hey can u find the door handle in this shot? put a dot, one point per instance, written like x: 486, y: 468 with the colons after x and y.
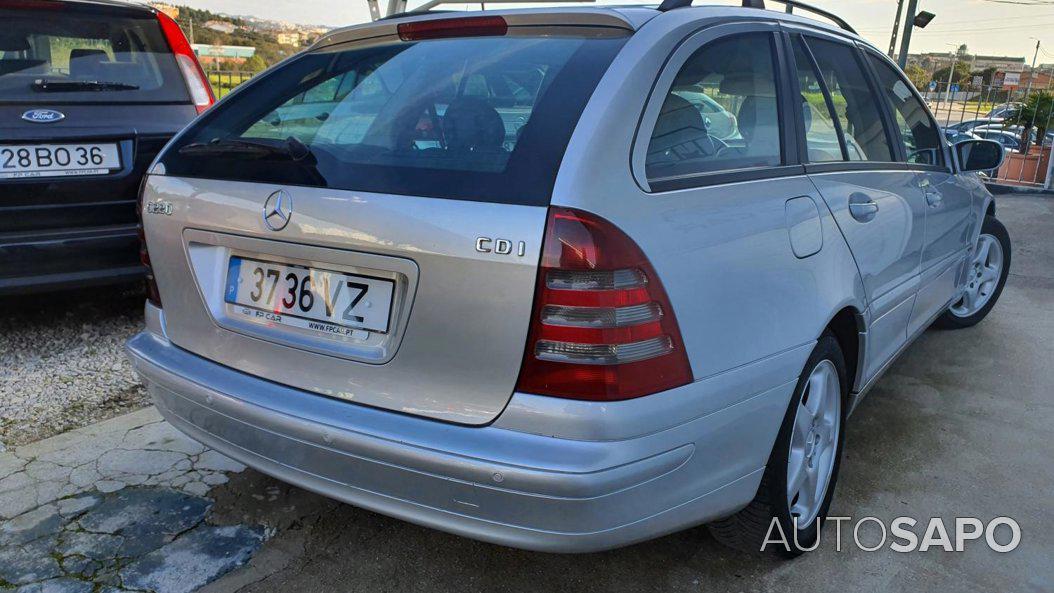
x: 862, y: 207
x: 934, y: 199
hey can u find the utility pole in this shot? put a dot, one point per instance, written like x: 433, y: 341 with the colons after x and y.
x: 951, y: 73
x: 896, y: 27
x: 1032, y: 72
x: 905, y: 40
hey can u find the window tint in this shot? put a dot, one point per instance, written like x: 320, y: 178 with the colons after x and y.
x: 919, y: 133
x: 480, y: 118
x: 720, y: 113
x: 856, y: 107
x: 60, y: 56
x: 821, y: 132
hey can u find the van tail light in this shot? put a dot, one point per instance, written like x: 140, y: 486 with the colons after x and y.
x: 602, y: 327
x: 152, y: 293
x: 197, y: 82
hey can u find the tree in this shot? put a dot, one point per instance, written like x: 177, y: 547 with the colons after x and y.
x: 255, y: 63
x: 918, y: 76
x: 986, y: 75
x: 962, y: 74
x: 1035, y: 113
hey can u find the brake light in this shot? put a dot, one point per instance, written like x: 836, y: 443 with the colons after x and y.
x: 472, y: 26
x: 193, y: 75
x: 602, y: 327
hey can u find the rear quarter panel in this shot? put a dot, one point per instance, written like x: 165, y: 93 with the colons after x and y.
x: 722, y: 252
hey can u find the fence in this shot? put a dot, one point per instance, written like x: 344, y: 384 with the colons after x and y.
x: 994, y: 113
x: 224, y: 81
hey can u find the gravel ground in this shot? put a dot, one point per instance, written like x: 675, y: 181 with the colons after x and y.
x: 62, y: 361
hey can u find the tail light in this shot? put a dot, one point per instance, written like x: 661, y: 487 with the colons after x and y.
x: 152, y: 293
x: 602, y: 327
x: 197, y: 82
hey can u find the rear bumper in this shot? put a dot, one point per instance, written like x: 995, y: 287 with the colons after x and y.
x: 490, y: 483
x: 55, y: 260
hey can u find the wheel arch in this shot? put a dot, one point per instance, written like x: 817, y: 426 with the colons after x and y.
x: 850, y: 329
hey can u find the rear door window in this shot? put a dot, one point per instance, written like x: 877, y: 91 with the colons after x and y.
x: 856, y: 108
x: 721, y: 112
x: 72, y: 53
x: 480, y: 118
x: 918, y: 132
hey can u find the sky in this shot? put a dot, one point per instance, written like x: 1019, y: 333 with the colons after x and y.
x: 991, y: 27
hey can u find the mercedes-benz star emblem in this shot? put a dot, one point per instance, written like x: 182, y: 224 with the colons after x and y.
x: 278, y: 209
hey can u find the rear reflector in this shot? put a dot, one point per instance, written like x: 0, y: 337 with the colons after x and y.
x: 193, y: 75
x: 602, y: 327
x: 473, y: 26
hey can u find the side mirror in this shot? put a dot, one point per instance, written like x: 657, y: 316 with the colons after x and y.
x: 979, y: 155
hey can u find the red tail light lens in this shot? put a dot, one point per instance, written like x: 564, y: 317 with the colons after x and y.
x: 602, y: 327
x: 473, y: 26
x: 197, y: 82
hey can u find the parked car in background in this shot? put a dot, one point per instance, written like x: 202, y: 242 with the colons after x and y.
x: 622, y: 325
x: 966, y: 126
x: 1009, y: 140
x: 1005, y: 110
x: 89, y: 93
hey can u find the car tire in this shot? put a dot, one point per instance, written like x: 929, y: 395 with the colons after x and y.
x: 748, y: 529
x: 960, y: 315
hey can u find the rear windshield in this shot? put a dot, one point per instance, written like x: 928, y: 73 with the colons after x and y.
x: 481, y: 118
x: 78, y: 54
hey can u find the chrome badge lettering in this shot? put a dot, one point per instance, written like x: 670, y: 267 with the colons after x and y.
x: 500, y: 246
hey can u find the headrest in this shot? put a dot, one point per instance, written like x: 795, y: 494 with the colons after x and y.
x: 85, y: 63
x: 470, y: 123
x: 677, y: 114
x: 748, y: 85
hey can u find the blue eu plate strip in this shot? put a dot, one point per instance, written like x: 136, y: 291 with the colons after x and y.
x: 233, y: 271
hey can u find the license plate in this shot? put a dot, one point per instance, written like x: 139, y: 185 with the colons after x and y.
x: 57, y: 160
x: 309, y: 298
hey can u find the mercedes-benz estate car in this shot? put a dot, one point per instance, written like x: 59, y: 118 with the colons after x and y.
x: 503, y: 282
x: 90, y: 91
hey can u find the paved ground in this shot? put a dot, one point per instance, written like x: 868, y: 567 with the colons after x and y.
x: 116, y: 506
x: 959, y: 427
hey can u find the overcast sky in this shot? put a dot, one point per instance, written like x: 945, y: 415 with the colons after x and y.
x: 985, y: 26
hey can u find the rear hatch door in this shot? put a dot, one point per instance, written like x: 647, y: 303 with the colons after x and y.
x: 405, y: 185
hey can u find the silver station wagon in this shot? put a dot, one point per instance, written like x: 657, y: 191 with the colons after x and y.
x: 491, y: 272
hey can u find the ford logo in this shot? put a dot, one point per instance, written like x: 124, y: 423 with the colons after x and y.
x: 43, y: 116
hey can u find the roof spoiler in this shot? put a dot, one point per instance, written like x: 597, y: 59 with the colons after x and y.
x: 790, y: 4
x: 398, y: 7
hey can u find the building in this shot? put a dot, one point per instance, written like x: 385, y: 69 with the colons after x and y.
x: 288, y: 38
x: 933, y: 61
x: 221, y: 26
x: 216, y: 55
x: 168, y: 9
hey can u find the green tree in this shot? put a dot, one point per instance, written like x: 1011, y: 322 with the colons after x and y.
x: 1035, y: 113
x: 918, y: 76
x: 254, y: 64
x: 962, y: 74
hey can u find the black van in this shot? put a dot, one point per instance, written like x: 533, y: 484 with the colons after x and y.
x: 90, y: 90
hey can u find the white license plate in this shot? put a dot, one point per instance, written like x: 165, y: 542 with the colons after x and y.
x: 309, y: 298
x: 57, y: 160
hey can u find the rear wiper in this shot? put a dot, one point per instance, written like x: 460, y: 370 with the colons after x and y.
x: 291, y: 147
x: 66, y: 86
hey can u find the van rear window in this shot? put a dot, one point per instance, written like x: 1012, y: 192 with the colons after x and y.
x: 70, y: 53
x: 478, y: 118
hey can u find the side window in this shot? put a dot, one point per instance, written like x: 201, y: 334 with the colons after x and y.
x: 919, y: 133
x: 856, y: 107
x: 721, y: 111
x: 821, y: 132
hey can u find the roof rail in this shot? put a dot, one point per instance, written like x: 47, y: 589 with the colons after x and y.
x: 790, y: 4
x: 398, y: 7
